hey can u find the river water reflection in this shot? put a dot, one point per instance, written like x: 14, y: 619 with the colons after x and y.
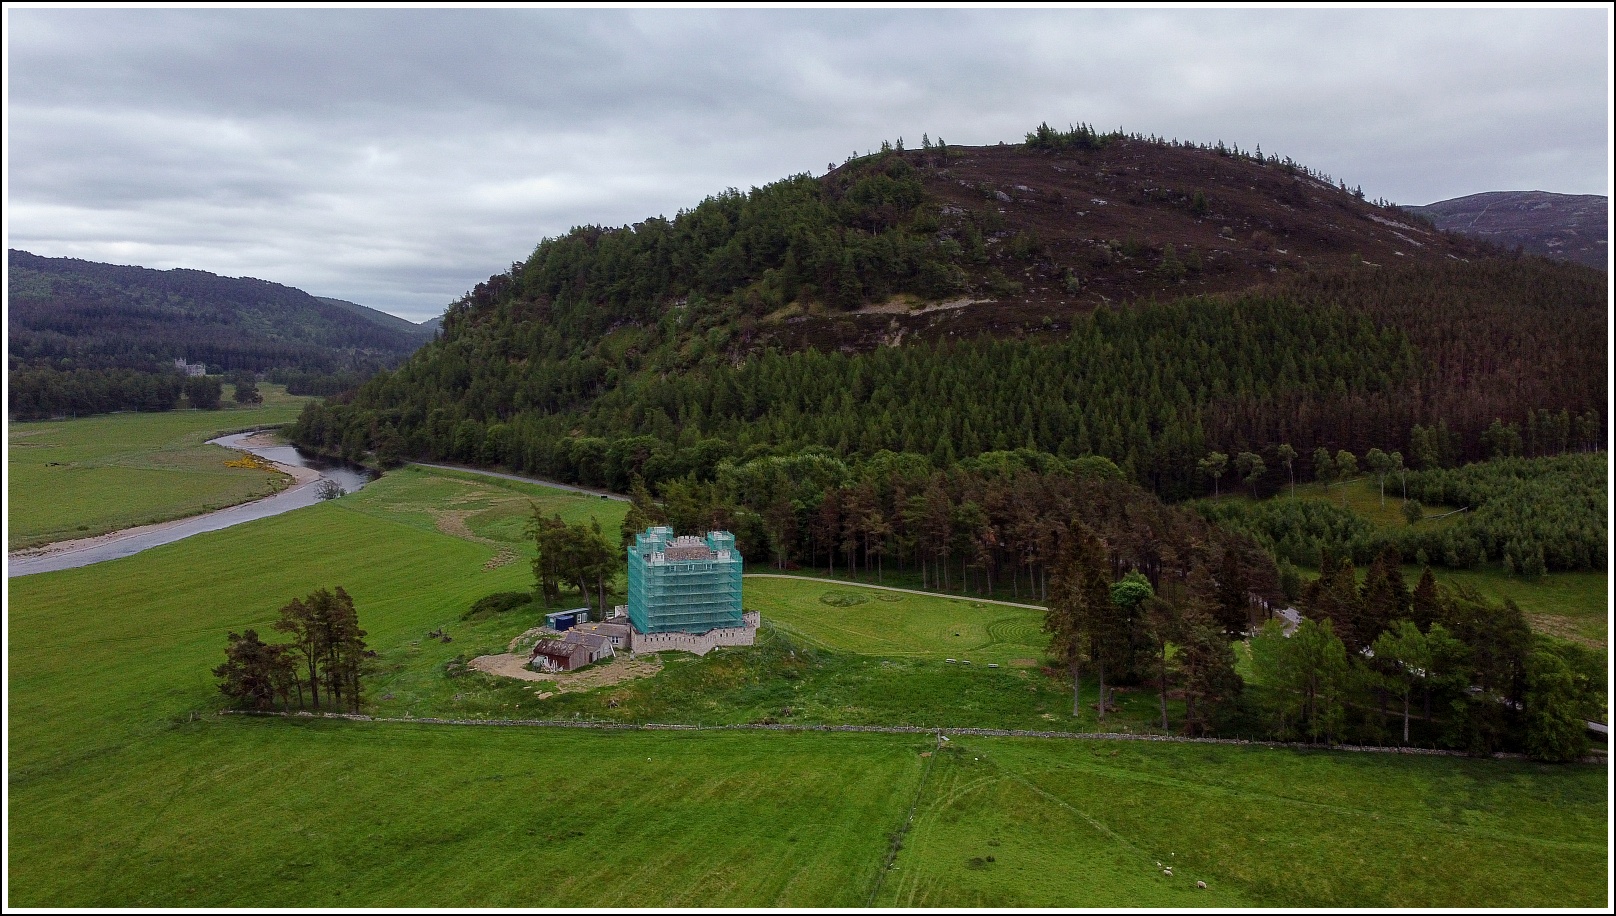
x: 134, y: 540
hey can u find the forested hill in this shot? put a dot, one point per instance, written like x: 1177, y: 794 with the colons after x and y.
x: 66, y: 313
x: 1075, y: 294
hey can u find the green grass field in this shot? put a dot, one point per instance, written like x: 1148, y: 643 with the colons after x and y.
x: 1570, y: 605
x: 1084, y: 825
x: 84, y: 477
x: 124, y: 790
x: 877, y: 622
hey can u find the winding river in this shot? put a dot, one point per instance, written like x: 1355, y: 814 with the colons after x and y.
x: 133, y: 540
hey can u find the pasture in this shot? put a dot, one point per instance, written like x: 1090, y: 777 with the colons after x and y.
x: 888, y: 623
x: 88, y: 476
x: 1012, y: 822
x: 125, y: 790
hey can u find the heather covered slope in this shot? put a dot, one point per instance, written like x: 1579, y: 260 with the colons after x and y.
x: 1568, y: 227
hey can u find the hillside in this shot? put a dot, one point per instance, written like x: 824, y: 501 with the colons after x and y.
x: 425, y: 329
x: 71, y: 314
x: 1077, y: 294
x: 1073, y: 228
x: 1568, y: 227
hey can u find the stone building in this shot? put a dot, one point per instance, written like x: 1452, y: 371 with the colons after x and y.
x: 574, y: 649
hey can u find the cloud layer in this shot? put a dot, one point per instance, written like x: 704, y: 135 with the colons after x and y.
x: 397, y: 157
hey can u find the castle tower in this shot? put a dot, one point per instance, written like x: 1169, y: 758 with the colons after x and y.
x: 683, y: 584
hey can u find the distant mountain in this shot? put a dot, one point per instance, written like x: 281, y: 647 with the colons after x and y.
x: 425, y: 329
x: 1568, y: 227
x: 65, y: 313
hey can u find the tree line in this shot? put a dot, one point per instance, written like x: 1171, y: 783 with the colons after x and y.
x: 319, y: 666
x: 1531, y: 515
x: 1367, y: 664
x: 575, y: 554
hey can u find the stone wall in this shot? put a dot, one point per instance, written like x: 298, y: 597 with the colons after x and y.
x: 699, y: 643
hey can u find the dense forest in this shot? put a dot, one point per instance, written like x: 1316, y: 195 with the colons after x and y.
x: 1328, y: 362
x: 1531, y: 515
x: 871, y: 373
x: 79, y: 333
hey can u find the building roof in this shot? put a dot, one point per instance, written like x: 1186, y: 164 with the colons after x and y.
x: 591, y: 641
x: 558, y: 648
x: 688, y: 547
x: 609, y: 630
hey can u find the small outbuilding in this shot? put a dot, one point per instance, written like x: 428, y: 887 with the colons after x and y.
x: 573, y: 650
x: 561, y: 621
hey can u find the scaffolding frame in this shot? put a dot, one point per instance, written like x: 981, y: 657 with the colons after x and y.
x: 684, y: 584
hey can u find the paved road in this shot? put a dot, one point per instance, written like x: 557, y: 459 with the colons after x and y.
x: 519, y: 479
x: 888, y: 588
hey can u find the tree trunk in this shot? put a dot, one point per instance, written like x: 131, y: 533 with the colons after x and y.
x: 1102, y: 690
x: 1405, y: 716
x: 1164, y: 686
x: 1077, y: 690
x: 314, y: 681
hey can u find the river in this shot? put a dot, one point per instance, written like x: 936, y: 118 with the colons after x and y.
x: 131, y: 541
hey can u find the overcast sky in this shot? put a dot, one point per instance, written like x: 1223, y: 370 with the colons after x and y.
x: 398, y: 157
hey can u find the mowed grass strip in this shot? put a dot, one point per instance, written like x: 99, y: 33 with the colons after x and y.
x: 875, y: 622
x: 1075, y: 824
x: 84, y: 477
x: 254, y: 812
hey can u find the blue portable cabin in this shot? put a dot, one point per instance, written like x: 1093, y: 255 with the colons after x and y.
x: 561, y: 621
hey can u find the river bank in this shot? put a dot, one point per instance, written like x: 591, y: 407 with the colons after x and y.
x: 261, y: 442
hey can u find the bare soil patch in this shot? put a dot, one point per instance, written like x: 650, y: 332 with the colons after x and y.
x: 602, y: 674
x: 453, y: 523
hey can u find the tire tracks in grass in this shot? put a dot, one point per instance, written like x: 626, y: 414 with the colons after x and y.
x: 895, y: 843
x: 1251, y: 795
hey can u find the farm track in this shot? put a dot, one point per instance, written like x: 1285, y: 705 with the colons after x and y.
x: 891, y: 588
x: 554, y: 485
x: 941, y: 733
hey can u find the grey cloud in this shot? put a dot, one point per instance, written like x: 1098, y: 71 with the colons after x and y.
x: 397, y: 157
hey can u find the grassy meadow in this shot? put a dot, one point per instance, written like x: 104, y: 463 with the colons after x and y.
x: 879, y: 622
x: 125, y: 790
x: 88, y: 476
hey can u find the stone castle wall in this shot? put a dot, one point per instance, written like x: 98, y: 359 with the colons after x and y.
x: 699, y: 643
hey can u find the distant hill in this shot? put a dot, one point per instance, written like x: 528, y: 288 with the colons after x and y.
x: 1568, y: 227
x: 67, y: 313
x: 424, y: 329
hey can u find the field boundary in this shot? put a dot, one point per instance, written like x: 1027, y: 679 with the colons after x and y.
x: 941, y: 732
x: 893, y: 588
